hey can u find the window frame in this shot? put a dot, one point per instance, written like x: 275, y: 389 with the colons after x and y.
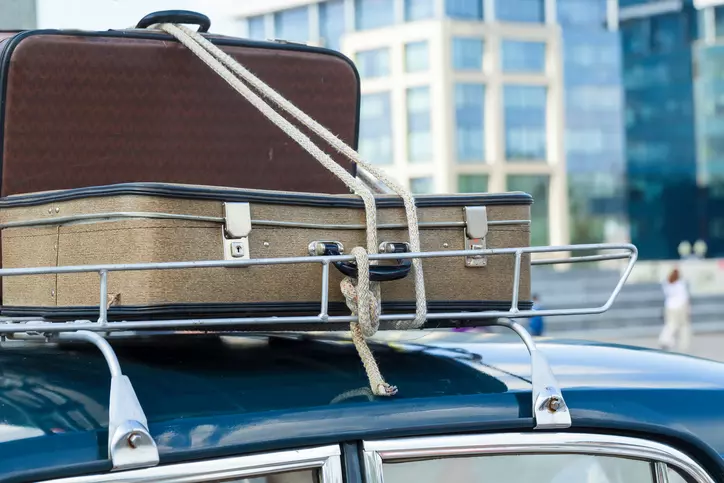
x: 375, y: 453
x: 325, y: 458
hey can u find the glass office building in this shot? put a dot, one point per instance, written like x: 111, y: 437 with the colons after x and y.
x: 594, y: 122
x: 673, y: 62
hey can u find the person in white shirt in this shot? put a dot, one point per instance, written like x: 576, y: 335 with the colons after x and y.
x: 677, y: 314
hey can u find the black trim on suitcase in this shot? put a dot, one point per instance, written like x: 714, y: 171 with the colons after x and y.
x: 12, y: 43
x: 261, y: 309
x: 260, y: 196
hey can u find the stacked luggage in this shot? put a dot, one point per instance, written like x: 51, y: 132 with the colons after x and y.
x: 122, y: 147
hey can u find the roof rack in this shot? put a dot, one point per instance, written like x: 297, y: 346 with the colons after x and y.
x: 130, y: 444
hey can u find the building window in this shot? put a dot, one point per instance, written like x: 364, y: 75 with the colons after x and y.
x: 473, y: 183
x: 538, y: 187
x: 520, y: 11
x: 636, y: 36
x: 332, y: 23
x: 522, y: 56
x: 373, y: 63
x: 419, y: 10
x: 469, y: 122
x: 292, y: 24
x: 594, y: 98
x: 419, y: 131
x: 373, y: 14
x: 667, y: 32
x: 464, y: 9
x: 256, y: 27
x: 375, y: 137
x: 417, y: 57
x: 525, y: 122
x: 421, y: 186
x: 719, y: 21
x: 467, y: 53
x: 585, y: 141
x: 581, y: 13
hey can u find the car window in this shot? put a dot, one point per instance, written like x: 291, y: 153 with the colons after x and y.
x: 544, y: 468
x: 303, y: 476
x: 676, y: 477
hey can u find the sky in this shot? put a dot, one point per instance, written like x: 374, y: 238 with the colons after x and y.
x: 117, y: 14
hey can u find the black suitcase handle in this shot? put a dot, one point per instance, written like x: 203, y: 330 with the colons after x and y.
x: 176, y: 16
x: 378, y: 273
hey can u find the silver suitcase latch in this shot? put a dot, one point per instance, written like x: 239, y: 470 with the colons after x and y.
x: 476, y: 231
x: 235, y: 234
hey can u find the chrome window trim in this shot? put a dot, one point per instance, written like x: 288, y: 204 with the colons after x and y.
x: 376, y: 452
x: 326, y: 458
x: 662, y: 472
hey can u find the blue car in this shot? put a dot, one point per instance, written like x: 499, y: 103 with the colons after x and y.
x: 297, y: 408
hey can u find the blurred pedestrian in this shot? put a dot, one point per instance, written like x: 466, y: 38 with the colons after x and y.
x: 677, y: 314
x: 536, y: 325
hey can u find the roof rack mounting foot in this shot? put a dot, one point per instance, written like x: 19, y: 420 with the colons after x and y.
x: 549, y: 408
x: 130, y: 444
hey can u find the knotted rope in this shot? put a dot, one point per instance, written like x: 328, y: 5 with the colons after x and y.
x: 361, y: 295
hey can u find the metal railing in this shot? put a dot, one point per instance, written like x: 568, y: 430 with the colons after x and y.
x: 131, y: 445
x: 39, y: 324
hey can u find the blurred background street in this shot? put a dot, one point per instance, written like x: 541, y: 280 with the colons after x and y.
x: 709, y: 345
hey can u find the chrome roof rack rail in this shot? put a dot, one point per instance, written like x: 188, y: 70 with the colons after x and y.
x: 129, y: 441
x: 130, y: 444
x: 549, y: 408
x: 323, y: 321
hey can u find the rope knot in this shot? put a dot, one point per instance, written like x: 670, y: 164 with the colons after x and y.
x: 362, y: 298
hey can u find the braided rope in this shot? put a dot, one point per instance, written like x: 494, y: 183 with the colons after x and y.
x: 361, y: 294
x: 342, y: 147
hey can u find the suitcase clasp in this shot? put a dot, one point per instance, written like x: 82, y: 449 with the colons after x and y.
x: 476, y: 230
x: 235, y: 233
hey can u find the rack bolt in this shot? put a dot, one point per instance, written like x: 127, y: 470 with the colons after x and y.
x: 266, y: 244
x: 554, y: 404
x: 134, y: 440
x: 57, y: 210
x: 445, y: 245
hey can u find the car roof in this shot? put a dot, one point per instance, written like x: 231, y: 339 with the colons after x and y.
x: 209, y: 396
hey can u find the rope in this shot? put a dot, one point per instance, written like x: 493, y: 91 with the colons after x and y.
x: 361, y: 295
x: 324, y: 133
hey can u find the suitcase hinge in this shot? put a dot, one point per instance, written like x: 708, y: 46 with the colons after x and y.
x: 476, y: 230
x: 235, y: 234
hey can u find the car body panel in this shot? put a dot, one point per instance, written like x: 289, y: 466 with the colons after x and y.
x: 206, y: 397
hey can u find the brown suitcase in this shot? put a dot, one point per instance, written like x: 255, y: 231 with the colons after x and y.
x: 140, y: 223
x: 84, y: 108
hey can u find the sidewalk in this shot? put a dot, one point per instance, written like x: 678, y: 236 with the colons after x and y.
x: 709, y: 345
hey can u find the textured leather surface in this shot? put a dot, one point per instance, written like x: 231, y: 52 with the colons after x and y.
x: 95, y: 110
x: 154, y: 240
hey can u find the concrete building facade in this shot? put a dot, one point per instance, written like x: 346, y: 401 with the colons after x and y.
x: 453, y: 98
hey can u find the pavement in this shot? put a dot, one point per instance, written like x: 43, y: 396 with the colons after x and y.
x: 709, y: 345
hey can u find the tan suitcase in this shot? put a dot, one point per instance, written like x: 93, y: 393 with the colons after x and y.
x: 149, y: 223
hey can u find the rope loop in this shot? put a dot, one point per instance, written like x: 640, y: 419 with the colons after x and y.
x: 362, y: 295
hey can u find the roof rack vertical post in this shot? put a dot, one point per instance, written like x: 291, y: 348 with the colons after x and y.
x: 549, y: 408
x: 324, y: 309
x: 516, y: 282
x: 103, y: 306
x: 130, y: 444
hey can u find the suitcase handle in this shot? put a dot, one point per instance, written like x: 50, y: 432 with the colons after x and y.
x: 176, y: 16
x: 378, y: 273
